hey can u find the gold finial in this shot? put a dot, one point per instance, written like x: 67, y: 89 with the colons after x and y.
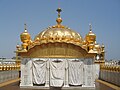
x: 59, y: 20
x: 90, y: 26
x: 25, y: 27
x: 103, y: 45
x: 59, y: 10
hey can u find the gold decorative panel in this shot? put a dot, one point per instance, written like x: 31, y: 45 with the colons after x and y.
x: 55, y: 50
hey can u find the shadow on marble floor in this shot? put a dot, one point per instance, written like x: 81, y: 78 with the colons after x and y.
x: 55, y: 88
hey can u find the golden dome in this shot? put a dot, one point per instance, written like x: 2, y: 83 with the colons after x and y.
x: 25, y: 36
x: 59, y: 35
x: 90, y: 37
x: 97, y: 46
x: 103, y: 46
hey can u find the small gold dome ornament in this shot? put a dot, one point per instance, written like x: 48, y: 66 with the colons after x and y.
x: 103, y: 48
x: 90, y: 37
x: 59, y: 20
x: 25, y: 38
x: 97, y: 46
x: 18, y: 47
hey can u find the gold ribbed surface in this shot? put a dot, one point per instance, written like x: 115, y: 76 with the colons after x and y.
x: 59, y: 35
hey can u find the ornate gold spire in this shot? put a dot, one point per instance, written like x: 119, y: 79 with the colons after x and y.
x: 59, y: 10
x: 90, y: 37
x: 18, y: 47
x: 25, y: 27
x: 25, y: 38
x: 90, y: 32
x: 90, y: 25
x: 58, y: 20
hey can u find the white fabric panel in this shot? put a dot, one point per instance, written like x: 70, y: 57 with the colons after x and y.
x: 47, y: 74
x: 66, y: 74
x: 75, y: 72
x: 39, y: 71
x: 26, y: 72
x: 89, y: 75
x: 57, y: 70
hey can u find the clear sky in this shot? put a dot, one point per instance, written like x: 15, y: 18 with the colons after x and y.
x: 76, y: 14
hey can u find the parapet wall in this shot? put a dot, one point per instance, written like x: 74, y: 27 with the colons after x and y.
x: 110, y: 73
x: 8, y: 75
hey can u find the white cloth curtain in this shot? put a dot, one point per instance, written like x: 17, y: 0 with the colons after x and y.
x: 26, y: 72
x: 89, y: 74
x: 39, y: 71
x: 57, y: 70
x: 75, y: 72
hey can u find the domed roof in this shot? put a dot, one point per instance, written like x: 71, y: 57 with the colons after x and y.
x: 57, y: 38
x: 59, y: 35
